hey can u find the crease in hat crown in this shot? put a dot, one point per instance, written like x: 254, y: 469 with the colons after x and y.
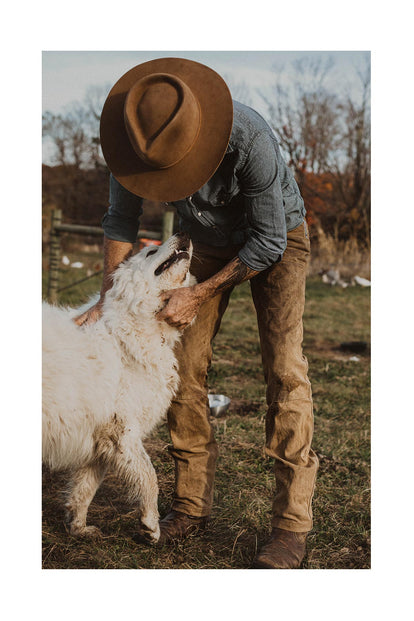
x: 162, y: 118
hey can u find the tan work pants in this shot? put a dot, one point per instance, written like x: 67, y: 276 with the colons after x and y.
x: 279, y: 297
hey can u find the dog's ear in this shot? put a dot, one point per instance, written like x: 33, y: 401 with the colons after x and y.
x: 128, y: 285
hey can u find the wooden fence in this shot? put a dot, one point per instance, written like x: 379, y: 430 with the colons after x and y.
x: 55, y: 254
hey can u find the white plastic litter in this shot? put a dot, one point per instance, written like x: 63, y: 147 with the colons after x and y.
x: 218, y: 404
x: 363, y: 282
x: 77, y: 264
x: 333, y: 277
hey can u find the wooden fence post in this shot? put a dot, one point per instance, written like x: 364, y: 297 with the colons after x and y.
x: 167, y: 224
x: 57, y: 228
x: 54, y: 256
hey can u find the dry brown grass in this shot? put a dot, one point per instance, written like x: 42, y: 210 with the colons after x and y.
x: 347, y: 256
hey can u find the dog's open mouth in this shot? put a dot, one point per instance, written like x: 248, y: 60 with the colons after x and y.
x: 176, y: 256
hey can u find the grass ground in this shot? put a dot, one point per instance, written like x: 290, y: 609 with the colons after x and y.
x: 244, y: 481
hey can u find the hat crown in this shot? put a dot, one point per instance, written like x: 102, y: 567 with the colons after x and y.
x: 162, y: 119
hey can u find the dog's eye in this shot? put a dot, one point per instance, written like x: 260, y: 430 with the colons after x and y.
x: 152, y: 251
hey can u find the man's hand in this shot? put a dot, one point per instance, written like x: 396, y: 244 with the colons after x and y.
x: 91, y: 315
x: 181, y: 306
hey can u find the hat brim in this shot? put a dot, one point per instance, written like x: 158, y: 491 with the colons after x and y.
x: 199, y: 164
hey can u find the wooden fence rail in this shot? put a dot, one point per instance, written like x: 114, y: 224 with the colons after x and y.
x: 58, y: 227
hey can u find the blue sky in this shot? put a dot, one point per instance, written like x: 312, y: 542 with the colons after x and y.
x: 67, y: 75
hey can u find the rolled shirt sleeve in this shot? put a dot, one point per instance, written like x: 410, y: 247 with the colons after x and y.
x: 121, y: 222
x: 261, y: 188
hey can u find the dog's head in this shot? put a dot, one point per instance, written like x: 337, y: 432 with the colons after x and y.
x: 167, y: 266
x: 140, y: 280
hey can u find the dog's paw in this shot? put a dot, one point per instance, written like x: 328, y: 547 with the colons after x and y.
x: 155, y: 534
x: 145, y: 535
x: 86, y: 532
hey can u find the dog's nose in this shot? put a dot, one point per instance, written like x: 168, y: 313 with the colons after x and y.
x: 183, y: 236
x: 183, y: 239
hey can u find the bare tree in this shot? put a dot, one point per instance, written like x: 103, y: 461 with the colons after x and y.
x: 53, y: 127
x: 93, y: 103
x: 75, y: 133
x: 304, y: 115
x: 351, y: 168
x: 68, y: 135
x: 326, y: 137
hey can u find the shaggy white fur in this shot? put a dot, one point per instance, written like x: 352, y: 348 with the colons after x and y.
x: 106, y: 385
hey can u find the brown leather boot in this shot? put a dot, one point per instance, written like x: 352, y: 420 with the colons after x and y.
x: 177, y: 525
x: 284, y: 550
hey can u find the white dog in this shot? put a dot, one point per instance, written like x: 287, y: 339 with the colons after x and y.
x: 106, y: 385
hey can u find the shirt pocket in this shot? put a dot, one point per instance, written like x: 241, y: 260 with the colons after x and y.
x: 217, y: 192
x: 204, y: 214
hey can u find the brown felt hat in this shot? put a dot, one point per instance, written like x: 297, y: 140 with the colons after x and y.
x: 165, y: 127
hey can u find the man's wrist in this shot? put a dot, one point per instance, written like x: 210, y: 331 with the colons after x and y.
x: 203, y: 291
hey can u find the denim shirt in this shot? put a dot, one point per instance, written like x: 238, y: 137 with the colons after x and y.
x: 252, y: 199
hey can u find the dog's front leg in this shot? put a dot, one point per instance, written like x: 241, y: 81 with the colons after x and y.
x: 83, y: 487
x: 135, y: 468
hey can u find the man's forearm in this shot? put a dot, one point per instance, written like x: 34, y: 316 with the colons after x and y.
x: 232, y: 274
x: 114, y: 253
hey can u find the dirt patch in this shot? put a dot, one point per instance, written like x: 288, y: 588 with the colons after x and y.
x: 244, y: 407
x: 334, y: 352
